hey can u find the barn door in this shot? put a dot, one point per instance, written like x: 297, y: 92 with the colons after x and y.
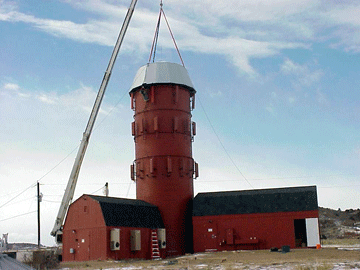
x: 83, y: 245
x: 306, y: 232
x: 312, y: 232
x: 210, y: 236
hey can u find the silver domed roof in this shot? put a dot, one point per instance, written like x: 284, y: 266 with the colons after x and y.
x: 162, y: 73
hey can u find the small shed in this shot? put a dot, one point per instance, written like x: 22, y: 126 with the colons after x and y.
x: 256, y: 219
x: 101, y: 228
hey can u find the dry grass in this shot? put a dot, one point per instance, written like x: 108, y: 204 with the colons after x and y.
x: 325, y: 258
x: 341, y: 242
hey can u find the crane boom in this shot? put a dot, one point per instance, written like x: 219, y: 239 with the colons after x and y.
x: 70, y: 188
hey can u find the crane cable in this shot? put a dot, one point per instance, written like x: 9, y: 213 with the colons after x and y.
x: 156, y: 37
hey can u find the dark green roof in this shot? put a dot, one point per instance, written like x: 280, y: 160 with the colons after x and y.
x: 129, y: 213
x: 256, y: 201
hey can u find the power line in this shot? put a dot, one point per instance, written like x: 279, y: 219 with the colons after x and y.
x: 18, y: 216
x: 344, y: 186
x: 57, y: 164
x: 33, y: 185
x: 127, y: 194
x: 262, y: 179
x: 51, y: 201
x: 274, y: 178
x: 30, y: 198
x: 222, y: 145
x: 97, y: 190
x: 111, y: 110
x: 306, y: 176
x: 87, y: 184
x: 61, y: 161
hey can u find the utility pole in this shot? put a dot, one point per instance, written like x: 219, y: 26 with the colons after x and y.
x: 39, y: 198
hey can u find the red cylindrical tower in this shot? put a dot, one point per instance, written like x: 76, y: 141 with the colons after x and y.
x: 162, y: 97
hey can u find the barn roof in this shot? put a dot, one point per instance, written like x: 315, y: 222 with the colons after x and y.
x: 7, y: 262
x: 129, y: 213
x: 256, y: 201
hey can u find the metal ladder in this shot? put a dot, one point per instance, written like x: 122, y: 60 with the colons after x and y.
x: 155, y: 251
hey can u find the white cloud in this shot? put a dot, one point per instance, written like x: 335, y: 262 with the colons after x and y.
x: 104, y: 8
x: 11, y: 87
x: 289, y: 67
x: 322, y: 99
x: 345, y: 13
x: 24, y: 95
x: 306, y: 74
x: 305, y: 80
x: 294, y: 84
x: 235, y: 49
x: 343, y: 19
x: 271, y: 109
x: 312, y: 77
x: 248, y: 10
x: 93, y: 31
x: 46, y: 99
x: 216, y: 94
x: 81, y: 98
x: 213, y: 27
x: 357, y: 152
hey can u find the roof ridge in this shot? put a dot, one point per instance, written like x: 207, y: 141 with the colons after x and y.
x: 275, y: 190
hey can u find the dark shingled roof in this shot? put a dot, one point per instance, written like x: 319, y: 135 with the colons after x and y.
x: 129, y: 213
x: 9, y: 263
x: 256, y: 201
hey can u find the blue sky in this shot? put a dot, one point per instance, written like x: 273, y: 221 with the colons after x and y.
x: 277, y: 97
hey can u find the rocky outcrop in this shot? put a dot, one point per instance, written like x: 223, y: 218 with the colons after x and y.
x: 339, y: 224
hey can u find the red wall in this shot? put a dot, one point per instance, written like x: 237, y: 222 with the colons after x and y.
x: 85, y: 232
x: 125, y: 245
x: 247, y: 231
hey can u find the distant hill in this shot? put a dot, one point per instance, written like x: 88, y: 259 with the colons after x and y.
x: 22, y: 246
x: 339, y: 224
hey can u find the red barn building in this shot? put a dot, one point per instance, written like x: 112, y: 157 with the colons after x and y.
x: 256, y: 219
x: 101, y: 228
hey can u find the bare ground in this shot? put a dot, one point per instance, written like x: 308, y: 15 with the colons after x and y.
x: 335, y: 256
